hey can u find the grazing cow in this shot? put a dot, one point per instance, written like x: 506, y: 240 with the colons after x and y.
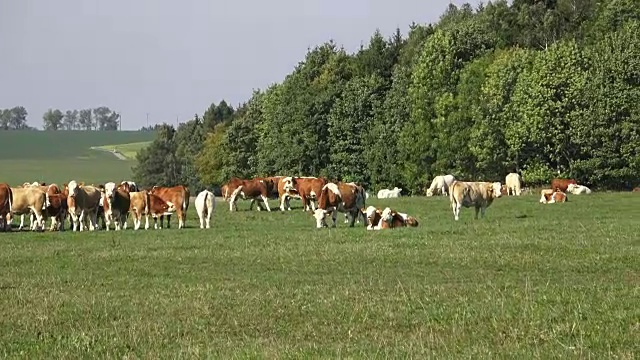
x: 390, y: 219
x: 562, y: 184
x: 513, y: 181
x: 205, y: 206
x: 248, y: 189
x: 308, y: 189
x: 85, y: 200
x: 578, y: 189
x: 116, y: 203
x: 387, y: 194
x: 342, y: 197
x: 477, y: 194
x: 550, y: 196
x: 26, y: 200
x: 6, y: 205
x: 177, y: 196
x: 440, y: 185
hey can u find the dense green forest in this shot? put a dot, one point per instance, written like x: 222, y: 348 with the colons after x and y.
x: 542, y: 87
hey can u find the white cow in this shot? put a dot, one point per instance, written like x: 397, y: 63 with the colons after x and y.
x: 578, y: 189
x: 387, y: 194
x: 205, y: 206
x: 514, y: 184
x: 440, y: 185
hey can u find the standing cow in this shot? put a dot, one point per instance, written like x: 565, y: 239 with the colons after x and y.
x: 440, y: 185
x: 177, y: 196
x: 477, y: 194
x: 6, y: 204
x: 513, y: 182
x: 83, y: 202
x: 205, y: 206
x: 342, y: 197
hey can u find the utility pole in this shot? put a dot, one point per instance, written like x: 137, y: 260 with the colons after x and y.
x: 176, y: 121
x: 120, y: 118
x: 147, y: 120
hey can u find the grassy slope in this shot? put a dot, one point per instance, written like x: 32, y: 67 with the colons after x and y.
x: 59, y: 156
x: 129, y: 150
x: 530, y: 280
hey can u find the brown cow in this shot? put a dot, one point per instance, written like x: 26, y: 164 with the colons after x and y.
x: 83, y: 202
x: 26, y: 200
x: 562, y: 184
x: 248, y: 189
x: 308, y: 189
x: 6, y: 204
x: 57, y: 211
x: 115, y: 203
x: 480, y: 195
x: 144, y: 203
x: 342, y: 197
x: 178, y: 196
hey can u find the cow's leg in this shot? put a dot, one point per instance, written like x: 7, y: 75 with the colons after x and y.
x: 305, y: 203
x: 201, y: 217
x: 266, y: 202
x: 116, y: 221
x: 312, y: 202
x: 334, y: 218
x: 477, y: 210
x: 455, y: 206
x: 283, y: 200
x: 146, y: 222
x: 180, y: 219
x: 208, y: 218
x: 93, y: 219
x: 169, y: 222
x: 39, y: 223
x: 346, y: 218
x: 107, y: 220
x: 352, y: 216
x: 21, y: 222
x: 482, y: 209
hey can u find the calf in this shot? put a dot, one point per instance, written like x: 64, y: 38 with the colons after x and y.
x: 178, y: 196
x: 205, y: 205
x: 6, y: 201
x: 480, y: 195
x: 340, y: 197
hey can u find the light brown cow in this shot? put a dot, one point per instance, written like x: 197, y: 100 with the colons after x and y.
x: 477, y: 194
x: 144, y: 203
x: 83, y: 202
x: 178, y: 196
x: 549, y: 196
x: 341, y: 197
x: 115, y: 203
x: 6, y: 204
x: 26, y: 200
x: 248, y: 189
x: 308, y: 189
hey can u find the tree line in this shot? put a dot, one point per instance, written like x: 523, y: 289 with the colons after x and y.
x: 100, y: 118
x: 545, y: 88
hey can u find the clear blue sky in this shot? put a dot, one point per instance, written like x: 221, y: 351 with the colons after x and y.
x: 173, y: 58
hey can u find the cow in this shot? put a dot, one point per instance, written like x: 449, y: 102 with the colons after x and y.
x: 205, y: 206
x: 57, y: 211
x: 308, y: 189
x: 578, y: 189
x: 6, y: 205
x: 373, y: 216
x: 390, y: 219
x: 561, y: 184
x: 85, y: 200
x: 26, y: 200
x: 387, y: 194
x: 248, y: 189
x: 636, y: 189
x: 363, y: 194
x: 177, y: 196
x: 144, y: 203
x: 130, y: 186
x: 513, y: 181
x: 550, y: 196
x: 341, y: 197
x: 286, y: 191
x: 225, y: 192
x: 440, y: 185
x: 477, y: 194
x: 116, y: 203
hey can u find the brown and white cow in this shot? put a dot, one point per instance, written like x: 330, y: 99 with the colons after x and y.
x: 144, y: 203
x: 57, y: 211
x: 27, y: 200
x: 550, y: 196
x: 178, y: 196
x: 562, y: 184
x: 342, y: 197
x: 248, y: 189
x: 83, y: 202
x: 373, y: 216
x: 6, y: 204
x: 286, y: 191
x: 480, y: 195
x: 115, y: 203
x: 390, y: 219
x: 308, y: 189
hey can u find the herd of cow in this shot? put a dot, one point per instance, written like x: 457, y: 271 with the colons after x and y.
x: 83, y: 205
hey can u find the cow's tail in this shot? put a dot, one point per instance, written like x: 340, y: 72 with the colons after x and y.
x: 10, y: 200
x: 185, y: 201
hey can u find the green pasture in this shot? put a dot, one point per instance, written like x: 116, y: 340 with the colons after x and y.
x: 128, y: 150
x: 528, y: 281
x: 60, y: 156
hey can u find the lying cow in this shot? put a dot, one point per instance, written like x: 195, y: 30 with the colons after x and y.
x: 550, y: 196
x: 440, y: 185
x: 387, y: 194
x: 387, y: 219
x: 205, y: 206
x: 342, y: 197
x: 480, y: 195
x: 578, y: 189
x: 513, y: 182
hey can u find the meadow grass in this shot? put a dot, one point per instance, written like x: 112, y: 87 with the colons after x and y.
x: 60, y: 156
x: 528, y: 281
x: 128, y: 150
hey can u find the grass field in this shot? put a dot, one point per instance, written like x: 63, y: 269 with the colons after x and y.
x: 60, y: 156
x: 129, y: 150
x: 528, y: 281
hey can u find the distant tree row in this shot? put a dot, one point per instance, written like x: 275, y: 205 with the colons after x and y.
x: 100, y: 118
x: 14, y: 119
x: 544, y: 88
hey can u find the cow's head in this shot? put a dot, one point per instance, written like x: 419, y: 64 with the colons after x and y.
x: 73, y: 188
x: 496, y: 189
x: 387, y: 214
x: 429, y: 192
x: 572, y: 187
x: 370, y: 213
x: 321, y: 216
x: 110, y: 190
x: 288, y: 184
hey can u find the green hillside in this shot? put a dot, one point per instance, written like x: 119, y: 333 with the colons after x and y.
x: 60, y: 156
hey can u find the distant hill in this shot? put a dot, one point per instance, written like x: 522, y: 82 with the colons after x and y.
x: 61, y: 156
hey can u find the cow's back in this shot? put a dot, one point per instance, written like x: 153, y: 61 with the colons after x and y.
x: 561, y: 184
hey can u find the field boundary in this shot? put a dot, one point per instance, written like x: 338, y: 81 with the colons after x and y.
x: 115, y: 152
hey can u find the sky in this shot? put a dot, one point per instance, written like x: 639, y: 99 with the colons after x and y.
x: 172, y: 59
